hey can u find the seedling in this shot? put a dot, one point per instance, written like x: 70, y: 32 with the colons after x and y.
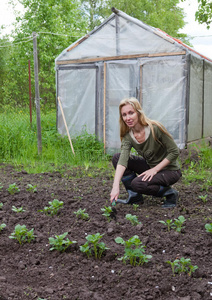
x: 135, y: 206
x: 167, y: 223
x: 31, y: 188
x: 204, y: 198
x: 107, y: 212
x: 22, y: 235
x: 17, y: 210
x: 182, y: 265
x: 81, y: 214
x: 208, y: 227
x: 13, y: 189
x: 1, y: 186
x: 134, y: 251
x: 1, y: 205
x: 2, y: 226
x: 133, y: 219
x: 54, y: 207
x: 178, y: 223
x: 94, y: 246
x: 59, y: 243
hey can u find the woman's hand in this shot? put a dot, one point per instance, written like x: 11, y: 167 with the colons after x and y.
x: 148, y: 175
x: 114, y: 194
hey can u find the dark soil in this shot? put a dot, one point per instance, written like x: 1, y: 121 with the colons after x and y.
x: 32, y: 271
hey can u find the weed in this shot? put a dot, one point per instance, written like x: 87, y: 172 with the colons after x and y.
x: 107, y: 212
x: 208, y: 227
x: 1, y: 186
x: 13, y: 189
x: 167, y: 223
x: 178, y: 223
x: 31, y: 188
x: 134, y: 251
x: 94, y: 246
x: 53, y: 207
x: 2, y: 226
x: 1, y: 205
x: 59, y: 243
x: 204, y: 198
x: 22, y: 235
x: 133, y: 219
x: 182, y: 265
x: 135, y: 206
x: 17, y: 210
x: 81, y: 214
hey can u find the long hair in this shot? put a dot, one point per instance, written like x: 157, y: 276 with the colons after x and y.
x: 142, y: 118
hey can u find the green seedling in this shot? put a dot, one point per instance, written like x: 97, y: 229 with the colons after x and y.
x: 135, y: 207
x: 167, y: 223
x: 107, y: 212
x: 22, y: 235
x: 81, y: 214
x: 204, y: 198
x: 208, y: 227
x: 133, y: 219
x: 17, y: 210
x: 31, y: 188
x: 2, y: 226
x: 1, y: 186
x: 1, y: 205
x: 182, y: 265
x: 53, y: 207
x: 134, y: 251
x: 59, y: 243
x: 178, y: 223
x: 13, y: 189
x: 94, y: 246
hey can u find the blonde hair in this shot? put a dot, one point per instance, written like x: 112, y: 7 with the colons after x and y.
x: 142, y: 118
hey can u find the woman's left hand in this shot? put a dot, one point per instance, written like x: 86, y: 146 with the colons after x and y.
x: 147, y: 175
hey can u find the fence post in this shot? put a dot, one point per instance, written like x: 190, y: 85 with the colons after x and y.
x: 37, y: 95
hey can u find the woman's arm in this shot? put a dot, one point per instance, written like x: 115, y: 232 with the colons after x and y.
x: 118, y: 175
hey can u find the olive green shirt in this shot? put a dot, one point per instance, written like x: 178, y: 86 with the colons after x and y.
x: 152, y: 151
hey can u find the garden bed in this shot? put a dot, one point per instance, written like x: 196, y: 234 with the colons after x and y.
x: 32, y: 271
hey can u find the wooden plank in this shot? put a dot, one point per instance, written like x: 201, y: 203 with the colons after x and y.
x: 120, y: 57
x: 104, y: 126
x: 79, y: 42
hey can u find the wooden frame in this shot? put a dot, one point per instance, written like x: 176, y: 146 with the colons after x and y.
x: 120, y: 57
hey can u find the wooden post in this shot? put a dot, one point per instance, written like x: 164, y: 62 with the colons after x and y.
x: 30, y: 93
x: 104, y: 127
x: 64, y: 120
x: 37, y: 95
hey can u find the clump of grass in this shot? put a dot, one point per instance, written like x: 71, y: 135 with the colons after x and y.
x: 18, y: 144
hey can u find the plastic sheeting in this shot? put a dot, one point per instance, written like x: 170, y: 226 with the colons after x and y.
x: 207, y: 125
x: 121, y: 38
x: 77, y: 91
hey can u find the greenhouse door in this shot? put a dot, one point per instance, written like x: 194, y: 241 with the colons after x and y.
x: 121, y: 81
x: 76, y: 87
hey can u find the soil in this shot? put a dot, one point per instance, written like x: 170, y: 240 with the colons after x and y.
x: 32, y: 271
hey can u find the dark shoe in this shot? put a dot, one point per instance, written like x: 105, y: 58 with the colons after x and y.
x: 133, y: 198
x: 171, y: 198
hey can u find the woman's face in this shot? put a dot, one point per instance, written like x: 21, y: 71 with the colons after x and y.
x: 129, y: 115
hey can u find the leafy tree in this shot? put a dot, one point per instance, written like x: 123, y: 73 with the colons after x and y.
x: 163, y: 14
x: 58, y: 24
x: 204, y: 13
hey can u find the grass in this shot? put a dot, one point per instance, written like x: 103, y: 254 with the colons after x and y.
x: 18, y: 144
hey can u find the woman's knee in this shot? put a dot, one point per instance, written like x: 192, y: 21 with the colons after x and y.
x: 115, y: 159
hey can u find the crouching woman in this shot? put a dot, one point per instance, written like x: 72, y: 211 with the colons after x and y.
x: 155, y: 168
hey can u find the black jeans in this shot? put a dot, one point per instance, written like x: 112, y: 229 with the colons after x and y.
x: 138, y: 165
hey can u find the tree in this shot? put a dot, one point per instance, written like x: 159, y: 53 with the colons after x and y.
x: 58, y: 24
x: 163, y: 14
x: 204, y: 13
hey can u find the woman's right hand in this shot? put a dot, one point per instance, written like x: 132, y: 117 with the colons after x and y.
x: 114, y: 194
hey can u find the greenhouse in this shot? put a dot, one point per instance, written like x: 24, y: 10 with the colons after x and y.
x: 124, y: 57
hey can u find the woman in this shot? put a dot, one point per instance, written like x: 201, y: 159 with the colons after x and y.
x: 156, y: 169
